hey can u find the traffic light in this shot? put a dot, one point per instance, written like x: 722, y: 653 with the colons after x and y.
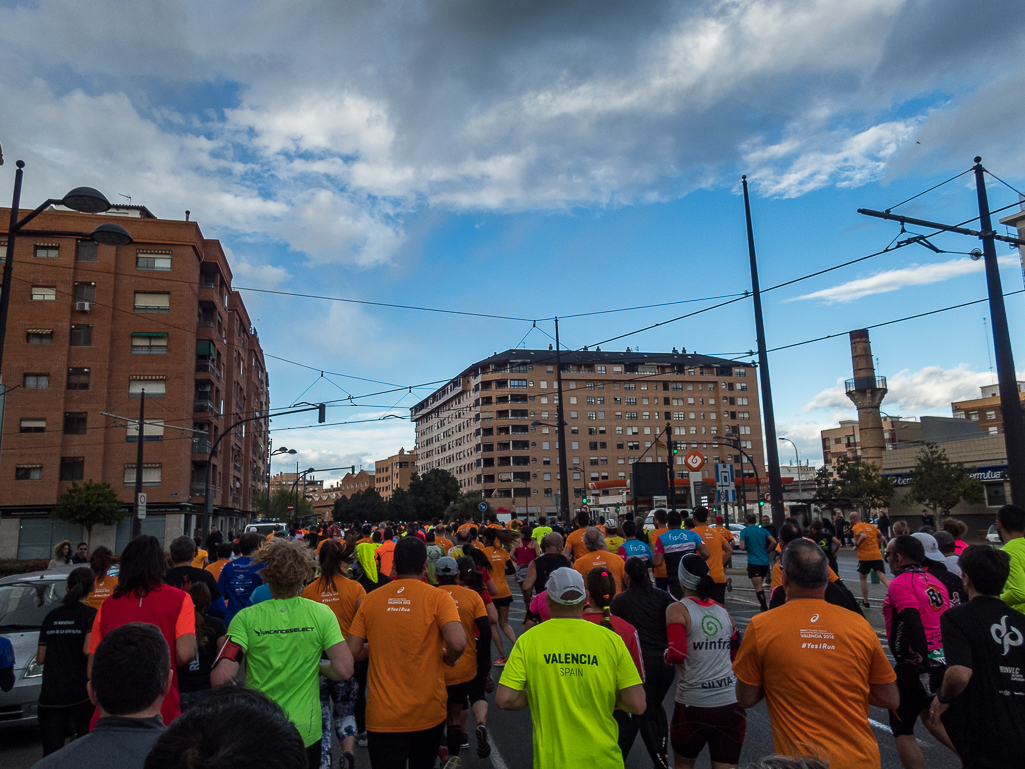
x: 761, y: 503
x: 584, y: 501
x: 322, y: 413
x: 674, y: 447
x: 617, y: 509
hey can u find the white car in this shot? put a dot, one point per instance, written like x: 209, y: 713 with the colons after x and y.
x: 993, y: 535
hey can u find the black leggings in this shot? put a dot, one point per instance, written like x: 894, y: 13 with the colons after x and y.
x: 392, y: 750
x: 361, y: 669
x: 313, y: 755
x: 57, y: 722
x: 653, y: 725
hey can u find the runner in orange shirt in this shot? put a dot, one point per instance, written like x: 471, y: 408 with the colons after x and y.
x: 868, y: 540
x: 385, y: 553
x: 103, y: 585
x: 598, y: 555
x: 223, y: 557
x: 575, y: 540
x: 414, y: 631
x: 719, y: 552
x: 723, y: 529
x: 496, y: 547
x: 661, y: 527
x: 797, y: 658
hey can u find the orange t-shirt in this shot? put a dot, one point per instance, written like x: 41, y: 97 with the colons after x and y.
x: 443, y: 542
x: 363, y: 541
x: 513, y: 525
x: 714, y: 542
x: 606, y: 560
x: 726, y: 533
x: 575, y: 540
x: 868, y: 550
x: 467, y: 526
x: 495, y: 526
x: 777, y: 576
x: 200, y: 559
x: 385, y: 555
x: 402, y: 622
x: 470, y: 607
x: 102, y: 588
x: 216, y: 566
x: 498, y: 557
x: 660, y: 571
x: 341, y: 595
x: 797, y: 653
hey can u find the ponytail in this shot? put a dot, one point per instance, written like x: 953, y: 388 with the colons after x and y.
x: 469, y: 575
x: 637, y: 571
x: 705, y: 587
x: 200, y: 595
x: 601, y: 587
x: 80, y: 584
x: 101, y: 560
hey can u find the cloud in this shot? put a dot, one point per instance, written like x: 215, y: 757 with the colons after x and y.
x: 894, y: 280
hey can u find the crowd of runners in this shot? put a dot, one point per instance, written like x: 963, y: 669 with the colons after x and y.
x: 293, y: 648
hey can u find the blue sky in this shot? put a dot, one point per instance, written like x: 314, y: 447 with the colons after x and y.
x: 530, y: 159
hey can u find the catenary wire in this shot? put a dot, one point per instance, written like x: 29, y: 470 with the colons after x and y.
x: 934, y: 187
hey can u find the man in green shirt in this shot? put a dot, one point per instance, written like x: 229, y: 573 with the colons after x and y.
x: 1011, y: 525
x: 282, y: 641
x: 542, y: 529
x: 573, y: 674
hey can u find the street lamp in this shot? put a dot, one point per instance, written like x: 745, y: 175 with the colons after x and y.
x: 560, y: 434
x: 282, y: 450
x: 85, y: 200
x: 734, y: 441
x: 302, y: 475
x: 798, y: 455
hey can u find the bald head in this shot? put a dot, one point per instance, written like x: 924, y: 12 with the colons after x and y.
x: 552, y: 543
x: 855, y: 518
x: 805, y: 565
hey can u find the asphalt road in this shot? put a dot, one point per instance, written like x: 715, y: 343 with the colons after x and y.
x: 511, y: 732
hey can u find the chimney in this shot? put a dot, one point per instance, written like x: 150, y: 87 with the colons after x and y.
x: 867, y: 391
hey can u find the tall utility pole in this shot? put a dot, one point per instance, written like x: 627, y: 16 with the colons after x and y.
x: 136, y: 520
x: 1014, y: 424
x: 772, y: 450
x: 672, y: 467
x: 560, y: 433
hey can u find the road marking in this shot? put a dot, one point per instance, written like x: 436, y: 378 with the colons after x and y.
x: 496, y: 758
x: 878, y: 725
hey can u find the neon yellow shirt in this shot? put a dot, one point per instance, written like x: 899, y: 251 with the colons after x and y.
x: 572, y: 670
x: 283, y: 642
x: 540, y: 532
x: 612, y: 544
x: 1014, y: 588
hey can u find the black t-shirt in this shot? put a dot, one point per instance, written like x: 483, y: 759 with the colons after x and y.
x: 183, y: 577
x: 837, y: 594
x: 953, y: 583
x: 195, y: 677
x: 63, y: 634
x: 76, y: 558
x: 646, y: 611
x: 988, y: 637
x: 544, y: 565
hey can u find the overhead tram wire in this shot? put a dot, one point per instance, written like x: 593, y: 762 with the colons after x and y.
x: 934, y: 187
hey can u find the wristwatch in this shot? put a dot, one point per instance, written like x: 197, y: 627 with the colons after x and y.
x: 942, y: 701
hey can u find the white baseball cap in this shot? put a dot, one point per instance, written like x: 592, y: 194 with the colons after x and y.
x: 566, y: 586
x: 932, y: 549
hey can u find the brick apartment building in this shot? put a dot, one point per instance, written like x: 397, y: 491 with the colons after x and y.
x: 90, y: 328
x: 478, y: 426
x: 845, y: 441
x: 985, y: 409
x: 394, y: 472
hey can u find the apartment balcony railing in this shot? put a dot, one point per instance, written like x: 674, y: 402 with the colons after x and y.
x: 201, y: 446
x: 198, y: 489
x: 204, y: 407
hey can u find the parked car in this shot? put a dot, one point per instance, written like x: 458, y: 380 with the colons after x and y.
x: 25, y: 600
x: 993, y: 535
x: 736, y: 528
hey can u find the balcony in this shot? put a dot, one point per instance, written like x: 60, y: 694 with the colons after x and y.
x: 198, y: 489
x: 201, y: 446
x: 865, y: 383
x: 204, y: 407
x: 237, y: 466
x: 206, y: 366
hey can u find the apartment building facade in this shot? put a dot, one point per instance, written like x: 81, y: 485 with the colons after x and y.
x: 479, y: 425
x: 394, y: 472
x: 986, y: 409
x: 93, y: 327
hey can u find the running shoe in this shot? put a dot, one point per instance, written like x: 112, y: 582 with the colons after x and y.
x: 489, y: 684
x: 361, y: 739
x: 483, y: 746
x: 465, y: 744
x: 866, y: 604
x: 454, y: 762
x: 348, y: 761
x: 729, y: 584
x: 500, y: 662
x: 443, y: 754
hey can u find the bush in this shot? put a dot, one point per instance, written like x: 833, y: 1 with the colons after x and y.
x: 14, y: 566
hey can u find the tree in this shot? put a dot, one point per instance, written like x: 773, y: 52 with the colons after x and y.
x: 366, y: 505
x: 427, y: 497
x: 88, y: 505
x: 466, y: 505
x: 854, y: 482
x: 940, y: 484
x: 279, y: 502
x: 259, y: 502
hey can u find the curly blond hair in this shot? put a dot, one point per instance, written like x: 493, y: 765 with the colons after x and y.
x: 289, y: 565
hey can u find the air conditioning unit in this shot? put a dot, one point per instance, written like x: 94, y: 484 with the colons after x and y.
x: 82, y: 306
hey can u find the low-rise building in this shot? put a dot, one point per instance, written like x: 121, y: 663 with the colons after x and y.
x: 985, y: 410
x: 844, y: 442
x: 394, y: 472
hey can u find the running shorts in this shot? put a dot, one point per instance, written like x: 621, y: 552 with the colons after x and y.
x: 913, y: 698
x: 867, y: 567
x: 499, y: 602
x: 757, y: 570
x: 722, y: 729
x: 467, y: 692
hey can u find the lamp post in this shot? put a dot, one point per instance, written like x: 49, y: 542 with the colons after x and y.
x: 798, y: 455
x: 734, y: 441
x: 350, y: 468
x: 85, y: 200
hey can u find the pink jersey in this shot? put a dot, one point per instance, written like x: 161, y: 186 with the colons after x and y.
x: 919, y: 590
x: 539, y: 606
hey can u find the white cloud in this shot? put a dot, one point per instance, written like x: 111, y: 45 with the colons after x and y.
x: 894, y: 280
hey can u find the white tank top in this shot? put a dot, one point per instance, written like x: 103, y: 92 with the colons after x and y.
x: 705, y: 679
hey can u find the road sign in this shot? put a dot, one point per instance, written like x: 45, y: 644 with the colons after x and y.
x: 659, y: 501
x: 725, y: 488
x: 140, y: 505
x: 483, y: 507
x: 291, y: 508
x: 585, y: 508
x: 695, y: 460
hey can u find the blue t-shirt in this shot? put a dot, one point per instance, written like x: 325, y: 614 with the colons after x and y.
x: 238, y: 580
x: 632, y: 548
x: 674, y: 544
x: 6, y: 653
x: 261, y: 594
x: 756, y: 544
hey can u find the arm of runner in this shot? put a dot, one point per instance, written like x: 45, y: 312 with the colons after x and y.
x: 955, y: 681
x: 568, y: 552
x: 631, y: 699
x: 660, y: 555
x: 882, y: 695
x: 622, y: 553
x: 510, y: 699
x: 702, y: 550
x: 492, y: 587
x: 455, y: 642
x: 727, y: 550
x: 528, y: 582
x: 185, y: 647
x: 339, y: 667
x: 357, y: 647
x: 908, y: 642
x: 1014, y: 588
x: 862, y: 536
x: 677, y: 626
x: 748, y: 696
x: 41, y: 654
x: 227, y: 664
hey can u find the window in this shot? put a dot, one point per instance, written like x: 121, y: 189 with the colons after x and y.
x: 958, y: 415
x: 81, y: 336
x: 85, y: 292
x: 145, y: 343
x: 572, y: 415
x: 28, y: 472
x: 78, y: 379
x: 573, y: 399
x: 39, y: 336
x: 47, y: 252
x: 153, y: 262
x: 631, y: 415
x: 740, y: 372
x: 629, y: 386
x: 593, y: 461
x: 155, y: 388
x: 517, y: 383
x: 74, y: 422
x: 545, y: 445
x: 741, y: 401
x: 548, y: 492
x: 152, y: 302
x: 574, y: 444
x: 87, y: 251
x: 43, y: 293
x: 36, y: 381
x: 72, y: 468
x: 743, y: 415
x: 631, y: 401
x: 991, y: 414
x: 33, y: 425
x: 679, y: 415
x: 154, y: 431
x: 973, y: 415
x: 150, y: 475
x: 599, y: 369
x: 592, y: 415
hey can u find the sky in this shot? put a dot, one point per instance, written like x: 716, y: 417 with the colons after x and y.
x: 533, y: 159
